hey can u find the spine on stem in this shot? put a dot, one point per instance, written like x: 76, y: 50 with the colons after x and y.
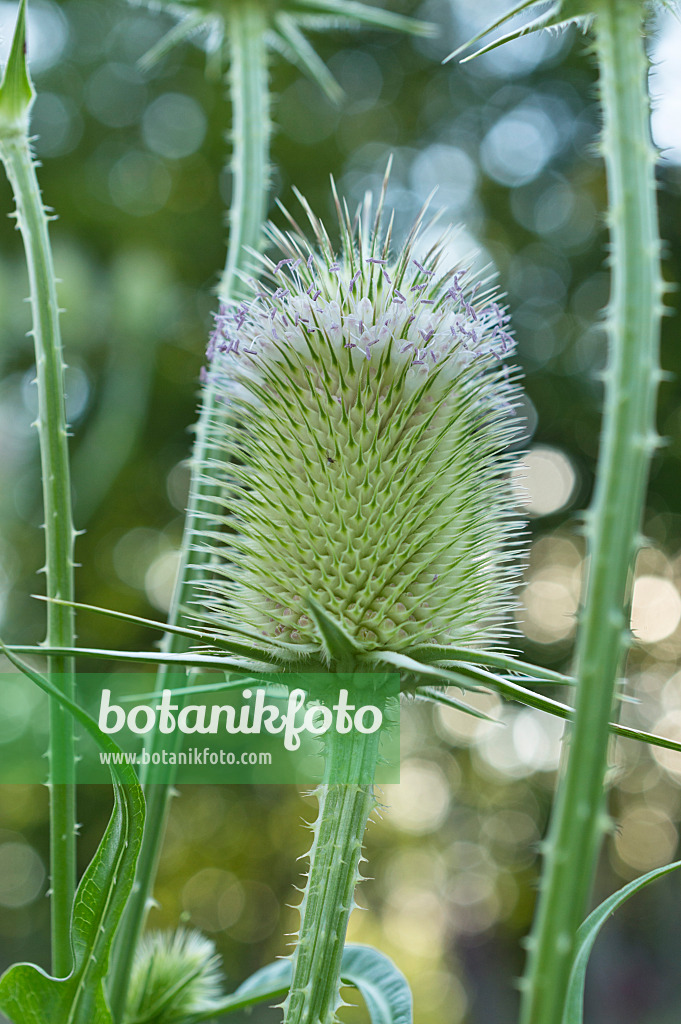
x: 328, y: 899
x: 249, y: 94
x: 16, y: 97
x: 628, y: 442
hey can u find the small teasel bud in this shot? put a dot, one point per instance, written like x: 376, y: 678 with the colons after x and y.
x: 365, y: 414
x: 16, y: 89
x: 175, y: 975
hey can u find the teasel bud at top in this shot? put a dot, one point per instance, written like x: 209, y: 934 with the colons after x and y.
x: 364, y: 418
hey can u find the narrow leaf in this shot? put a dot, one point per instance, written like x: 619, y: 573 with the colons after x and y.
x: 16, y: 90
x: 418, y: 668
x: 525, y: 5
x: 270, y: 982
x: 27, y: 994
x: 300, y: 52
x: 148, y: 657
x: 338, y: 645
x: 350, y: 10
x: 429, y: 653
x: 588, y: 933
x: 442, y: 697
x: 383, y: 987
x: 185, y: 28
x: 552, y: 707
x: 229, y: 645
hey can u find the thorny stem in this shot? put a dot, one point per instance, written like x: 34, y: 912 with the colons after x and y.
x: 344, y: 809
x: 32, y: 221
x: 628, y: 442
x: 249, y: 92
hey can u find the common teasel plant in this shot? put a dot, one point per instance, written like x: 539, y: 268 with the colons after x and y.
x: 332, y: 336
x: 361, y: 427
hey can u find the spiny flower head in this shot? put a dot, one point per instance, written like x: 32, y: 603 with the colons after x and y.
x: 175, y: 975
x: 364, y: 413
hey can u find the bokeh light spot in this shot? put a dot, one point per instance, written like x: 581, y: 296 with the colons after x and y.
x: 174, y: 125
x: 214, y: 899
x: 139, y: 184
x: 159, y: 579
x: 518, y: 146
x: 655, y: 609
x: 419, y: 804
x: 645, y: 837
x: 546, y: 480
x: 22, y: 874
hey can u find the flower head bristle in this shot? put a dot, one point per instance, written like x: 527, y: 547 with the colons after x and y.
x: 176, y: 974
x: 364, y: 417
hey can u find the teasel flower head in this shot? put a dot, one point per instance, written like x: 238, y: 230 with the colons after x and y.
x: 176, y: 975
x: 365, y: 409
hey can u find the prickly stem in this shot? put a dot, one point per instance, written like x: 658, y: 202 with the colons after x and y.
x: 628, y: 442
x: 249, y: 94
x: 328, y: 899
x: 59, y: 532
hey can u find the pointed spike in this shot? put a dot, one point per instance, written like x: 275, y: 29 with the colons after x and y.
x: 16, y: 91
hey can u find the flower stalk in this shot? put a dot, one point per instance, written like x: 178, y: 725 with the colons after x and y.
x: 16, y: 97
x: 628, y: 442
x: 328, y: 899
x: 249, y: 94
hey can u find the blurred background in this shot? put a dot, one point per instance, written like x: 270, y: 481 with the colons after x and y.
x: 134, y: 166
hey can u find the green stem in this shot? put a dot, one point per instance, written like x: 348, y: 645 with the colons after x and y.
x: 59, y: 533
x: 249, y: 91
x: 344, y: 810
x: 628, y: 442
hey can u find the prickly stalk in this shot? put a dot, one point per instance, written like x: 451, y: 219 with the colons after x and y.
x: 16, y: 97
x: 344, y: 809
x: 249, y: 165
x: 628, y: 442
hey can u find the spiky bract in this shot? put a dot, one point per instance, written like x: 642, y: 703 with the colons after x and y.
x: 286, y: 21
x: 364, y: 418
x: 175, y: 975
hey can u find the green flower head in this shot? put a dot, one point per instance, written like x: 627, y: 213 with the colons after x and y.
x: 176, y: 975
x: 364, y: 411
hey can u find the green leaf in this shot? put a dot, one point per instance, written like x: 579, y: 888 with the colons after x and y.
x: 442, y: 697
x: 189, y: 660
x: 16, y: 90
x: 338, y: 645
x: 27, y: 994
x: 299, y: 52
x: 274, y: 647
x: 558, y: 14
x: 417, y: 668
x: 512, y: 691
x: 414, y: 669
x: 429, y: 653
x: 588, y: 933
x: 383, y: 987
x: 185, y: 28
x: 352, y: 11
x: 270, y: 982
